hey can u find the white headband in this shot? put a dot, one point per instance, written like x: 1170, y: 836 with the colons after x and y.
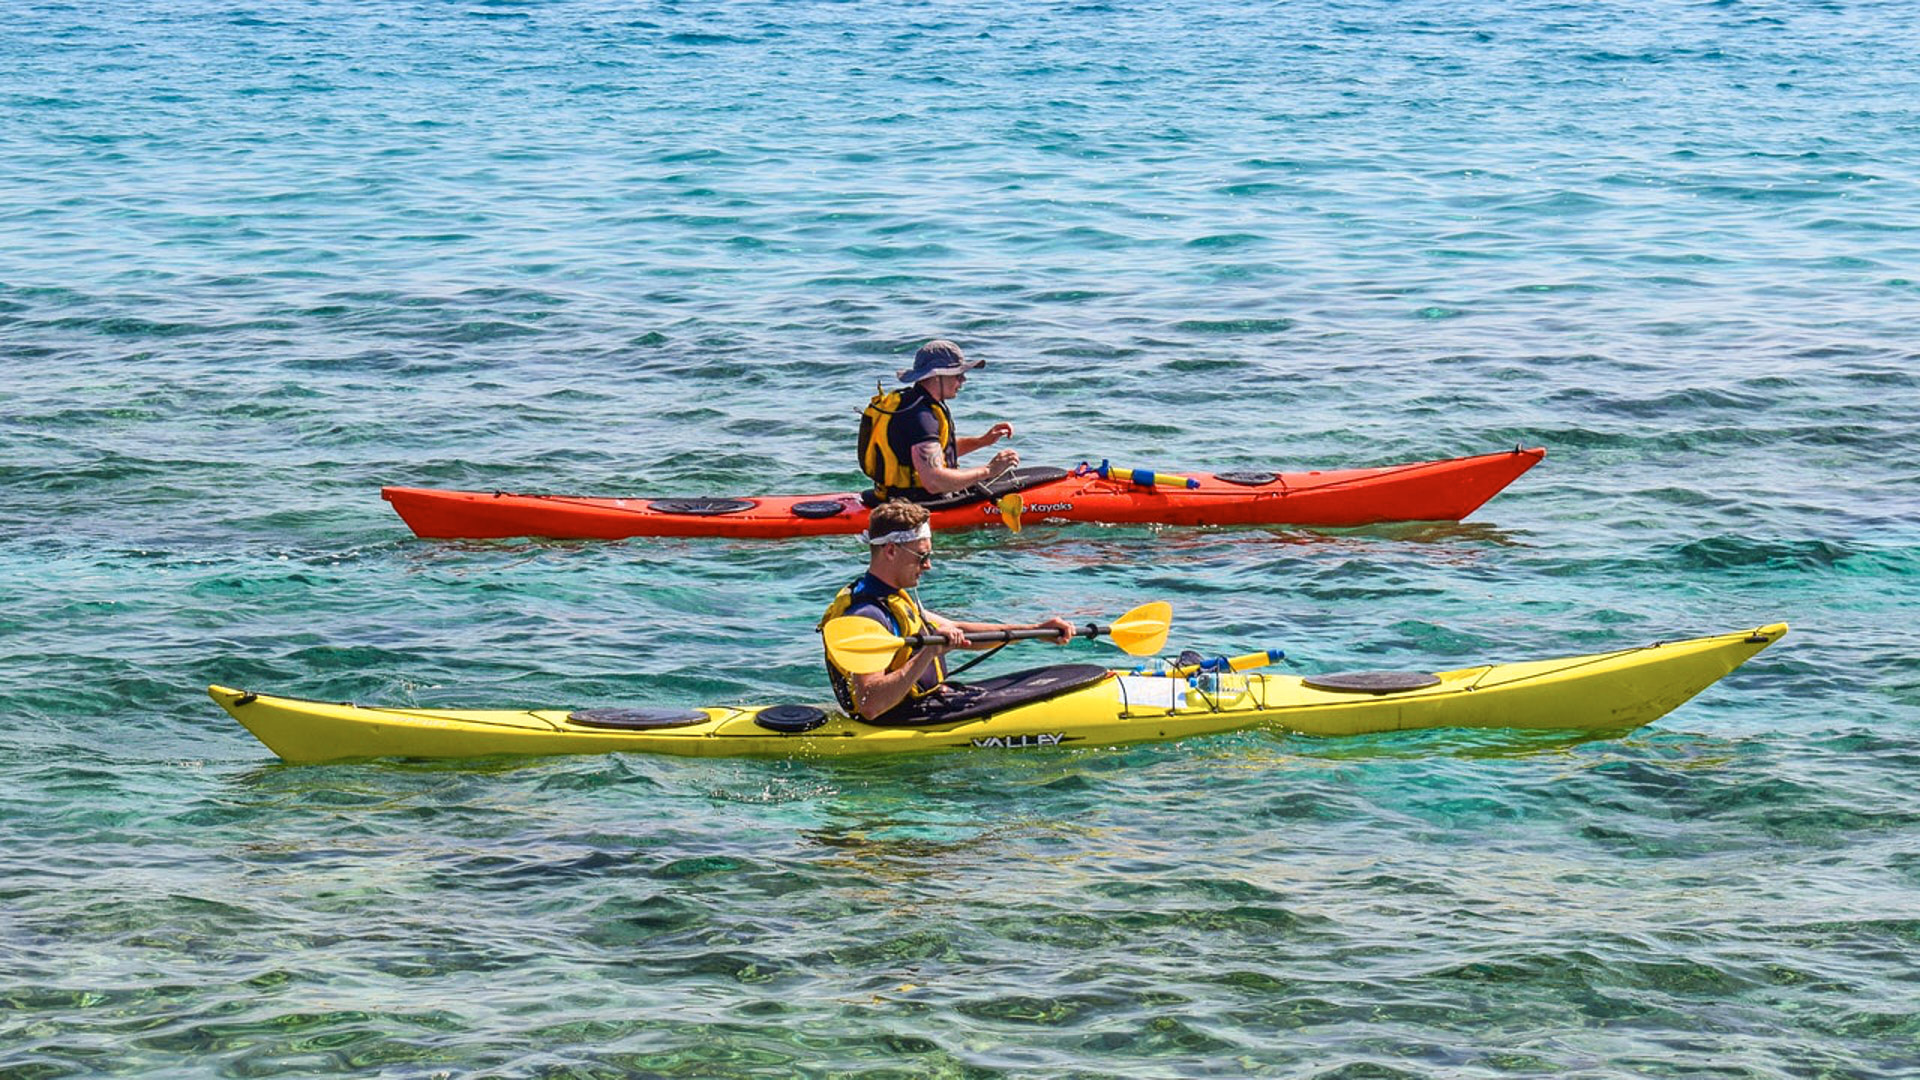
x: 904, y: 536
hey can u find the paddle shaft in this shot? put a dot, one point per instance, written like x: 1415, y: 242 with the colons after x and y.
x: 861, y: 645
x: 984, y: 636
x: 1145, y: 477
x: 1243, y: 662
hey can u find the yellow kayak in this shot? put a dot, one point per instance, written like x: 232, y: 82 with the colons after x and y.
x: 1067, y: 705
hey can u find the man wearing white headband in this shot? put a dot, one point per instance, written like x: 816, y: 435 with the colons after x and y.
x: 899, y: 550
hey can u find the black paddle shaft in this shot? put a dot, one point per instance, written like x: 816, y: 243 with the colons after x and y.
x: 1089, y: 630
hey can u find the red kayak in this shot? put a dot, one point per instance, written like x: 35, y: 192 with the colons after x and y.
x: 1420, y: 491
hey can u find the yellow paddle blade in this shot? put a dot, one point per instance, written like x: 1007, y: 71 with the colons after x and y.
x: 1010, y: 506
x: 859, y: 645
x: 1143, y: 631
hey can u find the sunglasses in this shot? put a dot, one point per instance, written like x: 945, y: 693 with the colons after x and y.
x: 925, y: 558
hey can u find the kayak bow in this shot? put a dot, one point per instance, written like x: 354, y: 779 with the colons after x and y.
x: 1418, y: 491
x: 1083, y: 705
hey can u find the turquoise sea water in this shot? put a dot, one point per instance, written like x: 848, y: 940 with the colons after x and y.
x: 256, y: 262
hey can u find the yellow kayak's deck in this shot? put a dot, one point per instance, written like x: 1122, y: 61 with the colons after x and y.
x: 1600, y: 692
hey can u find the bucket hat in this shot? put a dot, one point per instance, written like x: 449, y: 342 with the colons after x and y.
x: 938, y: 357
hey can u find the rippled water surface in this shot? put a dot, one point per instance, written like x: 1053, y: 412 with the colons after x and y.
x: 256, y: 262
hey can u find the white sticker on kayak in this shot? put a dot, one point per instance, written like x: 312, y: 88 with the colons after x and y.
x: 1150, y: 691
x: 992, y: 510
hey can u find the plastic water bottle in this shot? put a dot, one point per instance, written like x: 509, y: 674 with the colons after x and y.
x: 1215, y: 689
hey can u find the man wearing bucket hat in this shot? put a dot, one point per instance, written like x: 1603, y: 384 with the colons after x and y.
x: 907, y: 442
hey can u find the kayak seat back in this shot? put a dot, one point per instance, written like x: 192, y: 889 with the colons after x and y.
x: 636, y: 719
x: 968, y: 701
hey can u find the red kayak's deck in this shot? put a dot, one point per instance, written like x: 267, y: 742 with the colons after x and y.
x: 1419, y: 491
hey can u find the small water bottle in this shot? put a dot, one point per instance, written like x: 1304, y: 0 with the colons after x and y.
x: 1215, y: 689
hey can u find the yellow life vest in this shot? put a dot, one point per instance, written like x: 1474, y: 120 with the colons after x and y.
x: 890, y: 475
x: 908, y: 620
